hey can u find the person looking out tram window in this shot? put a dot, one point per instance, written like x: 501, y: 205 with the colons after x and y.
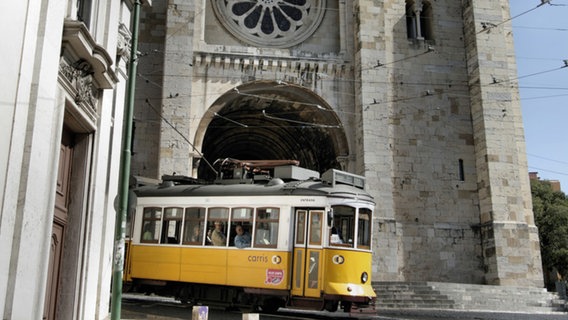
x: 148, y: 233
x: 242, y: 239
x: 196, y: 236
x: 217, y: 235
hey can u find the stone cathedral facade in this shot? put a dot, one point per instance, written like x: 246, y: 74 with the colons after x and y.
x: 418, y: 96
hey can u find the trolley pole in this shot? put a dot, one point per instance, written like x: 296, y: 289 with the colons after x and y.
x: 124, y: 180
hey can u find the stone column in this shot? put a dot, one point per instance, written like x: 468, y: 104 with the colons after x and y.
x: 175, y: 151
x: 373, y: 151
x: 510, y: 245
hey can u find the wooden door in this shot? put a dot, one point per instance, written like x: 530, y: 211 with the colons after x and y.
x: 60, y: 219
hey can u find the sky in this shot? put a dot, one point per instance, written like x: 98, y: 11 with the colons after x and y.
x: 541, y: 46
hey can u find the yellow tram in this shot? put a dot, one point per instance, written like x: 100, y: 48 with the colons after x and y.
x: 302, y: 242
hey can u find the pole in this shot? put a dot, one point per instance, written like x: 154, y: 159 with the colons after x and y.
x: 124, y: 182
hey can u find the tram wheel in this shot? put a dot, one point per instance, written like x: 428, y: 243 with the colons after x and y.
x: 184, y: 296
x: 346, y: 306
x: 271, y: 305
x: 331, y: 306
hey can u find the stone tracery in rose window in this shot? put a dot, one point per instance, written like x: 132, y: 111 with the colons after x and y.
x: 270, y: 23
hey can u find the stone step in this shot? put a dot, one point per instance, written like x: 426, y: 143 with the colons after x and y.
x: 466, y: 296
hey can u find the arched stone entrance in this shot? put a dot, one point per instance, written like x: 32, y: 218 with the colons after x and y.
x: 272, y: 120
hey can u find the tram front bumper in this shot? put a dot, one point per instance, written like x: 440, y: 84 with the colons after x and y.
x: 350, y: 290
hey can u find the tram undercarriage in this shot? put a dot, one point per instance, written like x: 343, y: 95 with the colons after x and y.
x: 247, y: 298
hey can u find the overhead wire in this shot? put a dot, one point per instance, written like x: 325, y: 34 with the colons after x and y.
x: 181, y: 134
x: 487, y: 26
x: 522, y: 84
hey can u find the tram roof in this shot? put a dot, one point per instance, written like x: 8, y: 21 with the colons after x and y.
x: 275, y: 187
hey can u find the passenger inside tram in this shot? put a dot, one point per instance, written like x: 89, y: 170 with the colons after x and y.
x: 242, y: 239
x: 217, y: 236
x: 335, y: 235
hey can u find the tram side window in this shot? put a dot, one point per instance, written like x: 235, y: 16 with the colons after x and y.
x: 343, y: 228
x: 171, y: 227
x: 241, y: 227
x: 364, y: 232
x: 193, y: 228
x: 151, y: 223
x: 266, y: 229
x: 217, y: 226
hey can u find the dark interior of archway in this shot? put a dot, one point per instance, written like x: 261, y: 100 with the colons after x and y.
x: 271, y: 127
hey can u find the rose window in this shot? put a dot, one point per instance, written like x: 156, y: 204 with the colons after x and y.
x: 270, y: 23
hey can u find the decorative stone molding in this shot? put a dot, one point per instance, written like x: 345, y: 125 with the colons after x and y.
x: 301, y: 72
x: 77, y: 80
x: 80, y: 76
x: 123, y: 42
x: 270, y: 23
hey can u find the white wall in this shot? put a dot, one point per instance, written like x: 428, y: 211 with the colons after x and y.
x: 28, y: 162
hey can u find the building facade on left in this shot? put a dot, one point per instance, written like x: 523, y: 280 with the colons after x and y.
x: 63, y: 80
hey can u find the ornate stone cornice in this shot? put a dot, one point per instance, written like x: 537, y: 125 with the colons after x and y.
x: 78, y: 42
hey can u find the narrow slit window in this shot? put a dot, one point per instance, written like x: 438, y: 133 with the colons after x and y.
x: 460, y: 170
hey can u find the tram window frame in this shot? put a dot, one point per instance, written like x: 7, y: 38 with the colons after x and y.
x: 343, y: 218
x: 313, y: 271
x: 246, y: 222
x: 191, y: 221
x: 301, y: 226
x: 364, y: 228
x: 212, y: 218
x: 170, y: 233
x: 151, y: 218
x: 265, y: 221
x: 315, y: 234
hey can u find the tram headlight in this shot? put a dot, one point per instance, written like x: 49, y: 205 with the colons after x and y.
x: 364, y: 277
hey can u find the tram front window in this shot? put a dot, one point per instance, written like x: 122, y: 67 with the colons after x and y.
x: 343, y: 228
x: 364, y: 233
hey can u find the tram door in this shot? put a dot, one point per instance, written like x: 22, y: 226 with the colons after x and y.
x: 307, y: 268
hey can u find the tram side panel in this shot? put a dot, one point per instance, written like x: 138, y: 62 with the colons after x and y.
x: 155, y: 262
x: 258, y: 269
x: 219, y: 266
x: 204, y: 265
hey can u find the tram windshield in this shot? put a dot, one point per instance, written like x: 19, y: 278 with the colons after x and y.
x: 343, y: 233
x: 364, y: 229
